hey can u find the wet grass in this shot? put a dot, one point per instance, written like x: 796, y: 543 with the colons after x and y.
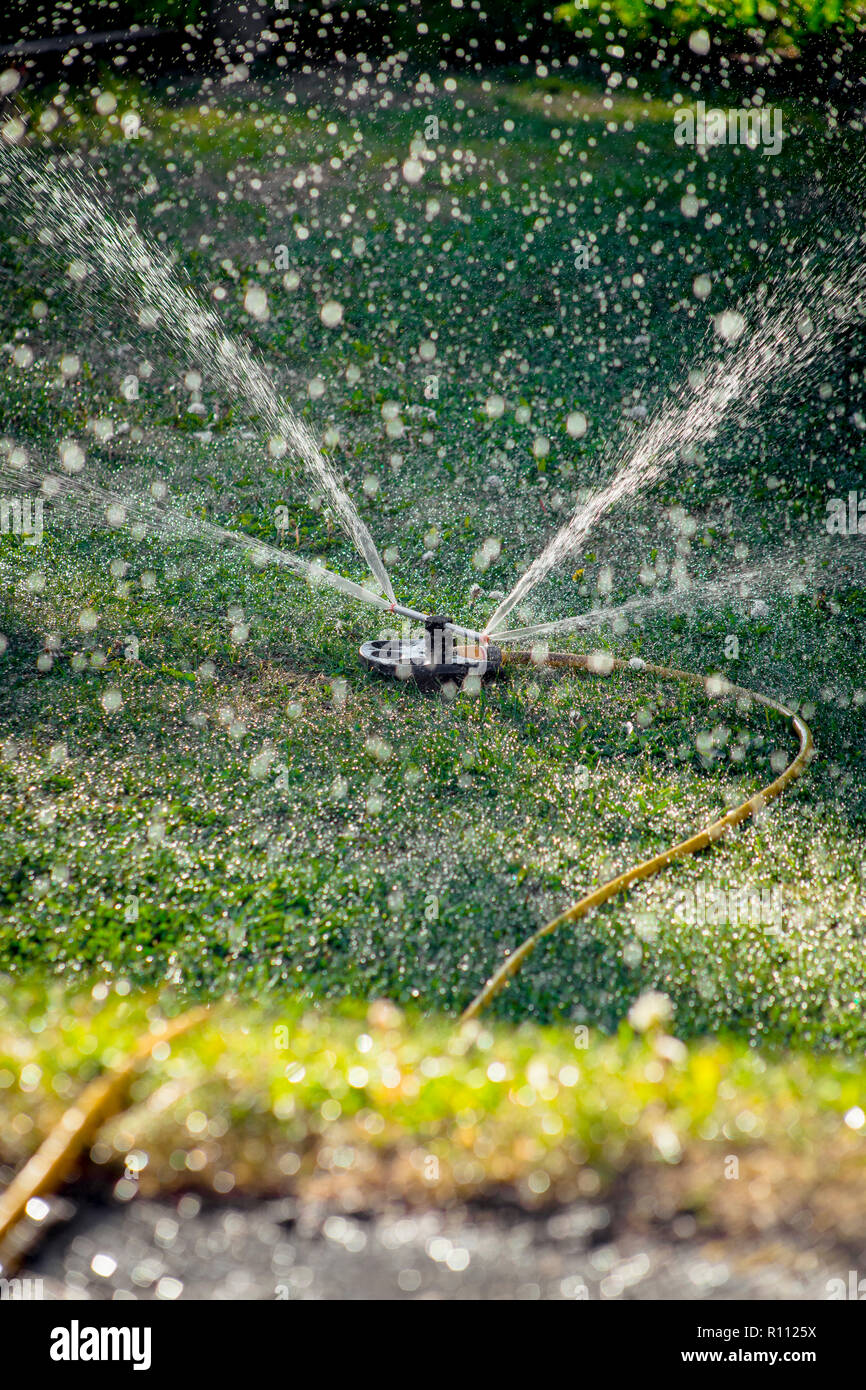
x: 241, y: 808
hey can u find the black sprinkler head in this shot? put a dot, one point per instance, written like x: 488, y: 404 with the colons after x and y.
x: 435, y: 659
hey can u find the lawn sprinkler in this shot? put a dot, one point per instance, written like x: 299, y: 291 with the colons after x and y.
x: 436, y: 658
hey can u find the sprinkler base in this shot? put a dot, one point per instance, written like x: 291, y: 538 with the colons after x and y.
x: 433, y: 660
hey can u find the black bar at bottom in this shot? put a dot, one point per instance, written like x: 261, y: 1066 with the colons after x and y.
x: 222, y: 1339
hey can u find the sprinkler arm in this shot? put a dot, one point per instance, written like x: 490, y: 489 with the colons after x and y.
x: 403, y: 612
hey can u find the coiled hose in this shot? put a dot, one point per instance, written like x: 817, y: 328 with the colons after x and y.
x: 702, y: 840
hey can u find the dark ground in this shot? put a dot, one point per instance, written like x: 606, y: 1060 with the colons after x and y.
x: 276, y: 1250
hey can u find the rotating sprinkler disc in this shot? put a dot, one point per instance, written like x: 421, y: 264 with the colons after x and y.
x: 434, y: 659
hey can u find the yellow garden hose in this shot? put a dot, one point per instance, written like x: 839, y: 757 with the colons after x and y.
x: 702, y: 840
x: 59, y: 1151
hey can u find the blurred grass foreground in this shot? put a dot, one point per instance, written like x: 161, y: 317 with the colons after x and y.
x: 366, y: 1105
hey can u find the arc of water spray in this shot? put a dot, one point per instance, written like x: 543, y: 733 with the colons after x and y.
x: 786, y: 336
x: 118, y: 509
x: 744, y: 584
x: 71, y: 214
x: 581, y: 622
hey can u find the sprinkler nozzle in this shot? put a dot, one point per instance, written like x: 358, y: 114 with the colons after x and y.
x: 439, y: 641
x: 436, y: 659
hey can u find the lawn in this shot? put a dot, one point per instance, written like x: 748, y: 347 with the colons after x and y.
x: 241, y: 810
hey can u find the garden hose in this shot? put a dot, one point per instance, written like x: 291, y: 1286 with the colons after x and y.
x: 58, y: 1153
x: 648, y: 867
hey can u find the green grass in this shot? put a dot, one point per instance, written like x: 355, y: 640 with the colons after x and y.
x: 795, y: 22
x: 359, y: 1106
x: 261, y: 828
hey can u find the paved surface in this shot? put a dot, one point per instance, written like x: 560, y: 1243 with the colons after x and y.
x: 271, y: 1250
